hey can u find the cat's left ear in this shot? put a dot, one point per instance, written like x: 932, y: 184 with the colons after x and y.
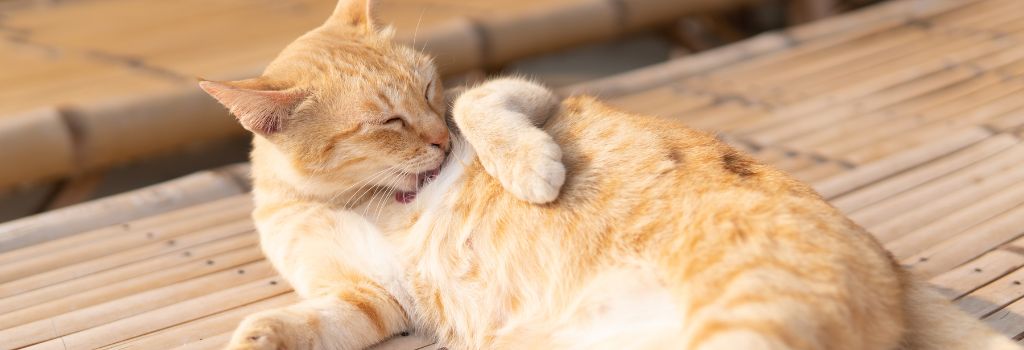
x: 258, y: 107
x: 355, y: 13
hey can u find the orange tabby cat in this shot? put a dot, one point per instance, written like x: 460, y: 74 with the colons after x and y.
x: 660, y: 237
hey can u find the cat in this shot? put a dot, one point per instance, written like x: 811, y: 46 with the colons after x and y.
x: 529, y: 222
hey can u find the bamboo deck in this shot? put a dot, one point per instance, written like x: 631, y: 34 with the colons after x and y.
x: 907, y: 116
x: 95, y: 83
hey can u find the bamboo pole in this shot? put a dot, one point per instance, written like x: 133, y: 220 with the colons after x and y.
x: 36, y: 145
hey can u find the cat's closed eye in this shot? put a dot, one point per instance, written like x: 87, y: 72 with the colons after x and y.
x: 426, y: 93
x: 395, y: 120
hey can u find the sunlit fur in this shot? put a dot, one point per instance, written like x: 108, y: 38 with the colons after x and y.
x: 660, y: 237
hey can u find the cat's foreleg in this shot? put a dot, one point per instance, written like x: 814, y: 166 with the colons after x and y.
x: 346, y: 274
x: 501, y: 119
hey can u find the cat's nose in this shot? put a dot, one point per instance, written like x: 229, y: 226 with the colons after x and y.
x: 440, y: 140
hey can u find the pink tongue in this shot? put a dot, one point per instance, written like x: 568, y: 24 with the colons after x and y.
x: 405, y: 197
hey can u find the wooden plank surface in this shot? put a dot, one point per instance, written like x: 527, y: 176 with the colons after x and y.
x: 941, y: 188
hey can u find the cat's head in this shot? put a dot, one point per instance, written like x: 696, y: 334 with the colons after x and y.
x: 344, y: 100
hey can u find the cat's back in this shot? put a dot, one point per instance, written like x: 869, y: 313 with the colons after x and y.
x: 659, y: 159
x: 656, y: 177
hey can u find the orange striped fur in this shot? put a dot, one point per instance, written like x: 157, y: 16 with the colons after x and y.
x: 601, y: 230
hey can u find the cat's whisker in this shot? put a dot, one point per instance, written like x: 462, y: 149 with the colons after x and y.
x: 383, y: 203
x: 367, y: 183
x: 382, y: 192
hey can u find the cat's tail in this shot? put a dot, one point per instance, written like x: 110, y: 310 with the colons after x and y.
x: 933, y: 323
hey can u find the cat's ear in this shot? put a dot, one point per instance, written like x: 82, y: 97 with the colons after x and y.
x: 258, y: 107
x: 355, y: 13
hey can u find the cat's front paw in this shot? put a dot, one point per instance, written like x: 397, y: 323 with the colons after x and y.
x: 531, y: 170
x: 268, y: 330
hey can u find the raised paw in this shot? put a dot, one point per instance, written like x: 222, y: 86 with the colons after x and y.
x: 531, y: 169
x: 268, y: 330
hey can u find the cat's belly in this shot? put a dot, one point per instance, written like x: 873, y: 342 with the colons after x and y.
x: 622, y: 303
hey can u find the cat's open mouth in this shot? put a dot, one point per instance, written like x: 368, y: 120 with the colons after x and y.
x: 421, y: 180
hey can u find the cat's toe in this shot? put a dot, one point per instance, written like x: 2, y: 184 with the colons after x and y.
x: 259, y: 332
x: 540, y: 173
